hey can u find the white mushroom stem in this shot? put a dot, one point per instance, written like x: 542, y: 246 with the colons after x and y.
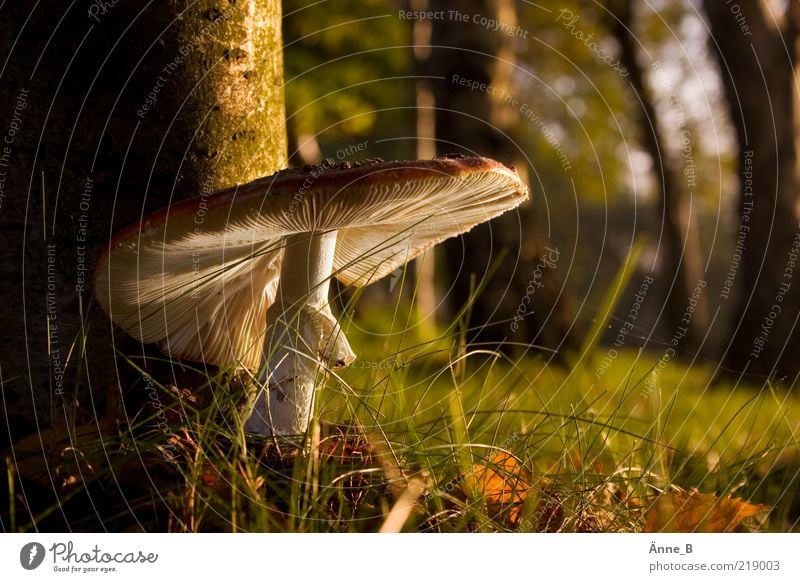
x: 302, y: 338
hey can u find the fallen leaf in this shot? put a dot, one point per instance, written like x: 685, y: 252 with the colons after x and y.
x: 62, y: 452
x: 692, y: 511
x: 210, y: 476
x: 503, y: 482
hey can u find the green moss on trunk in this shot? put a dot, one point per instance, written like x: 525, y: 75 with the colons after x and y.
x: 230, y: 71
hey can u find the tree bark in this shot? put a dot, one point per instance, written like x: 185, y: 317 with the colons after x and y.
x: 681, y: 265
x: 758, y: 68
x: 425, y: 296
x: 120, y: 109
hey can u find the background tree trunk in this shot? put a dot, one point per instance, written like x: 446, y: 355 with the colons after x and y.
x: 475, y: 122
x: 425, y: 297
x: 681, y: 266
x: 116, y: 110
x: 759, y: 76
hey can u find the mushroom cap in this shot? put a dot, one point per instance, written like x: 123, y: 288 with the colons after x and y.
x: 198, y: 277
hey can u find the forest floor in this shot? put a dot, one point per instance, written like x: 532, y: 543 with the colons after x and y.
x: 430, y: 436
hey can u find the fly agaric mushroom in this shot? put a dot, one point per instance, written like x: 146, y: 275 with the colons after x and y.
x: 240, y: 277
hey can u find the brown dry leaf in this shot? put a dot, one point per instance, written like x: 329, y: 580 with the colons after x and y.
x: 692, y: 511
x: 63, y: 451
x: 503, y: 482
x: 210, y: 476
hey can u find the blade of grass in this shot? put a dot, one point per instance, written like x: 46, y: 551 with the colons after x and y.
x: 609, y: 304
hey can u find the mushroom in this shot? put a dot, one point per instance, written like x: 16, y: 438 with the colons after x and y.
x: 241, y: 277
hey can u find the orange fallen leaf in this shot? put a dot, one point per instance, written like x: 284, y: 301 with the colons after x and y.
x: 692, y: 511
x: 503, y: 482
x: 210, y: 476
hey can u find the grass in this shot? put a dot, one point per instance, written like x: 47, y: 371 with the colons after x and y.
x: 629, y: 431
x: 441, y: 436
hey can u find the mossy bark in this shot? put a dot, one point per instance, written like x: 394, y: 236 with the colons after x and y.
x: 117, y: 109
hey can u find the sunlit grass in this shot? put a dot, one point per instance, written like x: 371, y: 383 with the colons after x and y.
x: 592, y: 441
x: 625, y: 427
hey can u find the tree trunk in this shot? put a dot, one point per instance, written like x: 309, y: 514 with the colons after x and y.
x: 115, y: 110
x: 759, y: 79
x: 425, y: 297
x: 681, y: 265
x: 477, y: 122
